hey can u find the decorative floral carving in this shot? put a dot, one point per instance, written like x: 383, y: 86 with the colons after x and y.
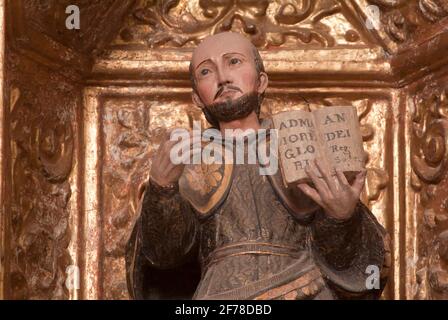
x: 203, y: 178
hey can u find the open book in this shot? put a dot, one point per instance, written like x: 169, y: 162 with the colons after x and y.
x: 331, y: 134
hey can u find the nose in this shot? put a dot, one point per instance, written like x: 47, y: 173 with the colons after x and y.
x: 223, y: 77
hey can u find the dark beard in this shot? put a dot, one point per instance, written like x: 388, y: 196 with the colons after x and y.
x: 230, y: 110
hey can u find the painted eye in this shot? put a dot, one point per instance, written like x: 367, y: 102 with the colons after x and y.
x: 204, y: 72
x: 235, y: 61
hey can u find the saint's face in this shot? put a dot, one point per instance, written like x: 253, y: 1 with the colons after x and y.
x: 224, y: 68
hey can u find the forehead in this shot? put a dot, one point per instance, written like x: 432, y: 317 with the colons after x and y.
x: 218, y: 45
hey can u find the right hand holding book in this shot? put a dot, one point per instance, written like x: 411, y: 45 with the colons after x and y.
x: 331, y: 134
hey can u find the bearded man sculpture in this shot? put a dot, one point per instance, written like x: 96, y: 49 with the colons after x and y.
x: 245, y: 235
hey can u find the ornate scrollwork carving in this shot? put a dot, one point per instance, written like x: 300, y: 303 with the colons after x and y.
x: 397, y: 26
x: 388, y: 3
x: 127, y: 133
x: 433, y: 10
x: 289, y: 14
x: 430, y: 128
x: 56, y: 151
x: 41, y: 193
x: 403, y: 18
x: 175, y: 23
x: 429, y: 151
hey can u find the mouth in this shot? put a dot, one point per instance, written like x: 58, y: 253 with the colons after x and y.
x: 226, y: 91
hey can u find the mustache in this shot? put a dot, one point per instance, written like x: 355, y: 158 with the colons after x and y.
x: 220, y: 90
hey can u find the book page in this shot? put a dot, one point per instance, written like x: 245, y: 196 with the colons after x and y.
x: 340, y: 135
x: 297, y: 143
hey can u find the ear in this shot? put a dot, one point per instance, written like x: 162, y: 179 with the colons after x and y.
x: 262, y: 82
x: 196, y: 99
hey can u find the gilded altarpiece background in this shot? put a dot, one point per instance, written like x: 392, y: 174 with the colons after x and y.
x: 84, y: 110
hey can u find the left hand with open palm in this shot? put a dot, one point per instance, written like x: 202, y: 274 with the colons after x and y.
x: 334, y: 194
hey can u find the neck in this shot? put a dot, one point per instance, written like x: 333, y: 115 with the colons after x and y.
x: 250, y: 122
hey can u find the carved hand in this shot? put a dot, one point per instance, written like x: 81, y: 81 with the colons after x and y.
x: 163, y: 171
x: 334, y: 194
